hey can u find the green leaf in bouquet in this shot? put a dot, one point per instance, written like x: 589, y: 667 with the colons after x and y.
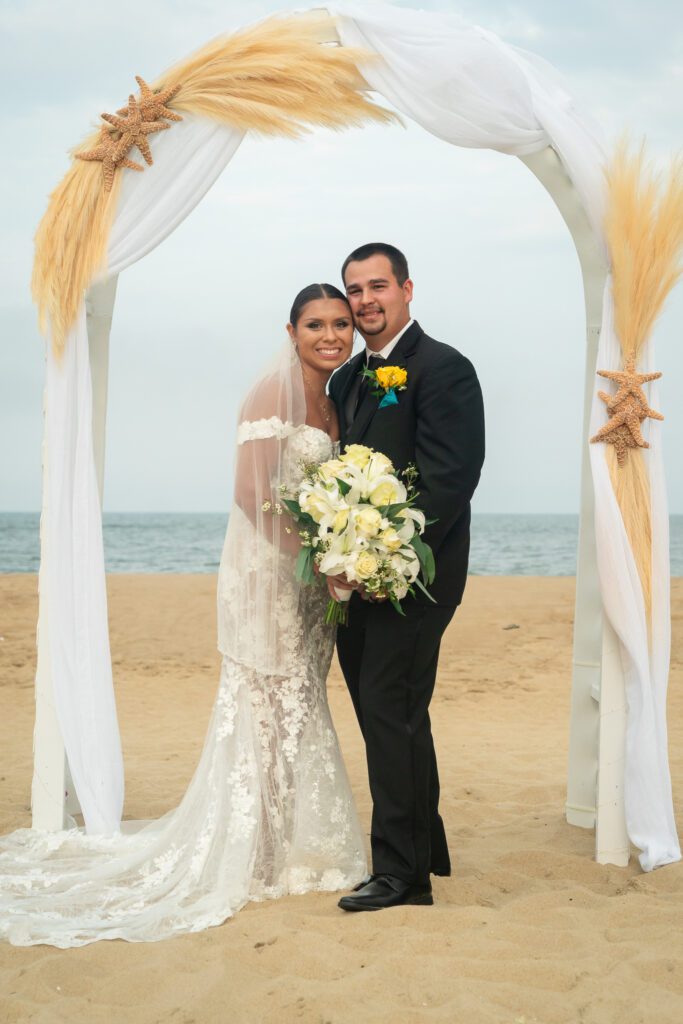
x: 392, y: 510
x: 424, y: 590
x: 308, y: 523
x: 293, y: 507
x: 343, y: 486
x: 418, y: 546
x: 396, y: 604
x: 431, y: 564
x: 426, y: 557
x: 304, y: 566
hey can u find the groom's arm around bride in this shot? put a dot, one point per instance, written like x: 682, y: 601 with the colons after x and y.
x: 390, y: 661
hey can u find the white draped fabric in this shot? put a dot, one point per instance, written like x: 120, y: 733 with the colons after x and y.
x: 647, y: 783
x: 469, y: 88
x: 188, y: 160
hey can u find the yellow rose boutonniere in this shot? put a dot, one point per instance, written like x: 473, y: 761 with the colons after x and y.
x: 385, y: 381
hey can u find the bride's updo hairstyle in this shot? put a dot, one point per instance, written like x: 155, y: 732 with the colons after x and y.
x: 309, y: 294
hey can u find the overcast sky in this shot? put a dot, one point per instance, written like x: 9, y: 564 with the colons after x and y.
x: 494, y: 267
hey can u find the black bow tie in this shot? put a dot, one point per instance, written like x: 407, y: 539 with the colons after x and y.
x: 374, y: 362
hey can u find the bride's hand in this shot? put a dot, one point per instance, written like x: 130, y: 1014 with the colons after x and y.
x: 339, y: 583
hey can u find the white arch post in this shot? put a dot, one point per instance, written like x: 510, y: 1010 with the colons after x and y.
x: 597, y: 730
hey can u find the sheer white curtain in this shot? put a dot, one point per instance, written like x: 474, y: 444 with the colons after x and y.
x: 467, y: 86
x: 188, y: 159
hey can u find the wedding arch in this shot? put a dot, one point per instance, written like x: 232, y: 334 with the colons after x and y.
x: 469, y: 88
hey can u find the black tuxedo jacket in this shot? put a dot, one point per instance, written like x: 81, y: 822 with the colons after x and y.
x: 438, y: 425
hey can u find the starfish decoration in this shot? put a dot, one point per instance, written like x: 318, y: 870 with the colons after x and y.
x: 153, y: 104
x: 140, y: 119
x: 107, y: 153
x: 134, y: 131
x: 628, y: 408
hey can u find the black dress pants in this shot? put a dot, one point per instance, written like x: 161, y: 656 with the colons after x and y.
x: 389, y: 662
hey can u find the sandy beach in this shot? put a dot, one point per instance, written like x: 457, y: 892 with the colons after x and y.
x: 529, y: 930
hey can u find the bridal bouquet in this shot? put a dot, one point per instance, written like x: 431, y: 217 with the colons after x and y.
x: 357, y: 519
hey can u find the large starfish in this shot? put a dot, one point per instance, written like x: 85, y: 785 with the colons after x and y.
x: 628, y: 408
x: 153, y: 104
x: 134, y: 131
x: 140, y: 119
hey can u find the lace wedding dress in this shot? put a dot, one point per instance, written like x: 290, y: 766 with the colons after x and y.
x: 269, y: 810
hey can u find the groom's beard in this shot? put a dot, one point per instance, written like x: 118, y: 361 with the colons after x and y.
x: 371, y: 325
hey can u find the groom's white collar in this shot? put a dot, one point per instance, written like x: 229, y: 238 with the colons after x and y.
x: 385, y: 352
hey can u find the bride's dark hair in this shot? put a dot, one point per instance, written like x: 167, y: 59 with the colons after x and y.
x: 311, y: 292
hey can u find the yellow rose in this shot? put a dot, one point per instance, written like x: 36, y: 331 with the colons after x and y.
x: 340, y: 520
x: 366, y: 565
x: 356, y: 455
x: 384, y: 494
x: 391, y: 377
x: 368, y: 521
x: 391, y: 539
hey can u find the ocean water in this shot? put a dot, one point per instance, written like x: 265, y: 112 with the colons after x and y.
x: 506, y: 545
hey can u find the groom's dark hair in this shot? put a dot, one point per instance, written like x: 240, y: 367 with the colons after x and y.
x: 399, y: 264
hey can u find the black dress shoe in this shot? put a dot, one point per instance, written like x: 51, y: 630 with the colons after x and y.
x: 368, y: 878
x: 387, y: 891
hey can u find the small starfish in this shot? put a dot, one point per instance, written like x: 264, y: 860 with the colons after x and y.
x: 622, y: 440
x: 629, y: 384
x: 628, y: 408
x: 134, y: 131
x: 153, y: 104
x: 107, y: 154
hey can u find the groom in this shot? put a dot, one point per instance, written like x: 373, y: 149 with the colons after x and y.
x: 390, y: 661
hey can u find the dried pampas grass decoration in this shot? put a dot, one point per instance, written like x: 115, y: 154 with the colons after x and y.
x: 644, y: 226
x: 275, y: 79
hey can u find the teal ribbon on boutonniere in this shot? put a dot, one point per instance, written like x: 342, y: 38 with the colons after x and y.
x: 389, y: 398
x: 385, y: 381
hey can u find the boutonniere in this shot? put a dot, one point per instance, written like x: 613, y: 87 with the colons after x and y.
x: 385, y: 381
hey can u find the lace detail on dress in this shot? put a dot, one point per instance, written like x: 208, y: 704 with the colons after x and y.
x: 269, y: 810
x: 259, y: 430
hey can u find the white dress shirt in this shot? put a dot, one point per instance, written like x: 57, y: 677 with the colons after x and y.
x: 385, y: 352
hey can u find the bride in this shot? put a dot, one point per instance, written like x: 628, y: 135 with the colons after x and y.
x: 269, y: 810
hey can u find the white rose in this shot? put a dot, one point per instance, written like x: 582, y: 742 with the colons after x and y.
x: 356, y: 455
x: 387, y: 490
x: 368, y: 521
x: 366, y: 565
